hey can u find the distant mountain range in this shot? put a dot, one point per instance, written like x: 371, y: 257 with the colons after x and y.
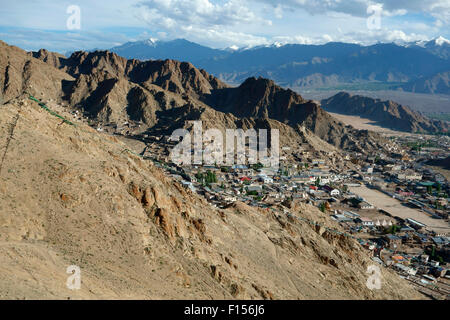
x: 439, y: 46
x: 387, y: 114
x: 179, y: 49
x: 416, y: 67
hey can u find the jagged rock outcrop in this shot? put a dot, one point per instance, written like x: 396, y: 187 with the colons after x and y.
x: 107, y: 84
x: 21, y: 72
x: 261, y: 98
x: 52, y: 58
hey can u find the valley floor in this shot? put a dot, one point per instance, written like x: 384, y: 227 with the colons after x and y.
x: 395, y: 208
x: 364, y: 124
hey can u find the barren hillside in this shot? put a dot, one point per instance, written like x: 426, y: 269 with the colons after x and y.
x: 71, y: 195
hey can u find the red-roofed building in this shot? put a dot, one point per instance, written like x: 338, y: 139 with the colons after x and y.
x: 243, y: 179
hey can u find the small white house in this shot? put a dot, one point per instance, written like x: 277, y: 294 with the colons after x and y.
x: 366, y: 222
x: 365, y: 205
x: 229, y: 199
x: 335, y: 192
x: 256, y: 188
x: 265, y: 179
x: 368, y: 170
x: 405, y: 269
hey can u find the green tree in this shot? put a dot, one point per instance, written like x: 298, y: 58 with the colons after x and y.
x: 322, y: 207
x: 394, y: 229
x: 257, y: 166
x: 199, y: 176
x: 317, y: 182
x: 210, y: 177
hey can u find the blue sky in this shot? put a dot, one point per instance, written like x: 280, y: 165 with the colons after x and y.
x: 34, y: 24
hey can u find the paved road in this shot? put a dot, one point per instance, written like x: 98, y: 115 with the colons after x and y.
x: 395, y: 208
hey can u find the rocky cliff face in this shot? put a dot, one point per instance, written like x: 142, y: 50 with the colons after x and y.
x: 386, y: 113
x: 113, y: 89
x: 171, y: 75
x: 260, y: 98
x: 52, y: 58
x: 20, y: 72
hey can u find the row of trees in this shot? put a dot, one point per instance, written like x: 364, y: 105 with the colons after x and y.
x: 208, y: 178
x: 438, y: 187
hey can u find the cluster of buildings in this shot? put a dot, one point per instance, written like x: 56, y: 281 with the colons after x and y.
x: 406, y: 245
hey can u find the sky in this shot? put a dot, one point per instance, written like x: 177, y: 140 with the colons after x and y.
x: 85, y: 24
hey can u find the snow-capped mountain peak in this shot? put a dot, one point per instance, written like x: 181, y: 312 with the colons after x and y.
x: 151, y: 41
x: 441, y: 41
x: 232, y: 48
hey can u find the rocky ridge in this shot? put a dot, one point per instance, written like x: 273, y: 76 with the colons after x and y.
x: 387, y: 114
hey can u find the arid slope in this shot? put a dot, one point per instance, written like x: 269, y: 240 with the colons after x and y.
x: 71, y: 195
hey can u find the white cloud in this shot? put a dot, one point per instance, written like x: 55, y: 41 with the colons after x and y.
x: 352, y: 7
x: 363, y: 37
x: 302, y: 39
x: 439, y: 9
x: 199, y: 12
x: 223, y: 23
x: 226, y: 38
x: 382, y: 35
x: 205, y: 21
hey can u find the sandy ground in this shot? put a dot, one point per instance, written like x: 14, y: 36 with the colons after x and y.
x: 394, y: 207
x: 367, y: 124
x: 364, y: 124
